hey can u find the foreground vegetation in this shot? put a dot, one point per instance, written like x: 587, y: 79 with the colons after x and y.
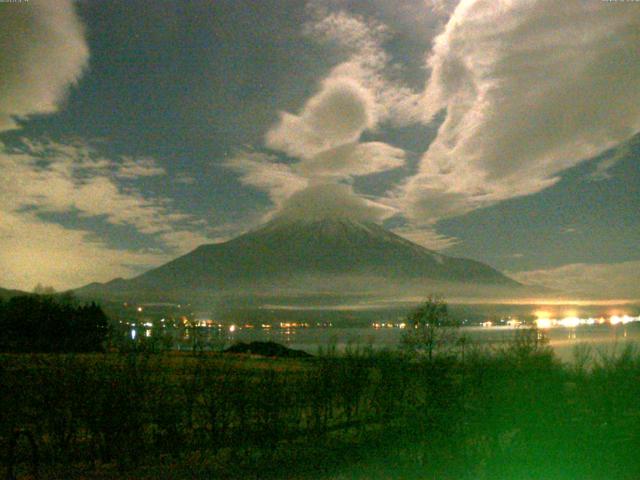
x: 512, y: 413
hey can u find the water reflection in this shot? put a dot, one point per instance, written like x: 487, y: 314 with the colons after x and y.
x: 563, y: 336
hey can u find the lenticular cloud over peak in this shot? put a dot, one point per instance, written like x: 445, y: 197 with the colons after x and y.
x: 324, y: 139
x: 333, y: 201
x: 336, y: 115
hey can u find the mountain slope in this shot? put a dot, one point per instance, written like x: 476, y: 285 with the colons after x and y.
x: 285, y: 252
x: 7, y: 294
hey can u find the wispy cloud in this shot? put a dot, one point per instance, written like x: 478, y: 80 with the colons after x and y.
x: 603, y: 167
x: 529, y: 89
x: 47, y: 177
x: 443, y: 8
x: 264, y: 172
x: 352, y: 160
x: 427, y: 237
x: 141, y: 167
x: 602, y: 280
x: 53, y: 177
x: 368, y: 64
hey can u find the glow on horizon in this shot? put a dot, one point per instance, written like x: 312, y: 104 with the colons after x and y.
x: 624, y: 319
x: 544, y: 320
x: 571, y: 322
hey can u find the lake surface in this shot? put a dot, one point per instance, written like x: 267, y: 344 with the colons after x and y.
x: 603, y: 339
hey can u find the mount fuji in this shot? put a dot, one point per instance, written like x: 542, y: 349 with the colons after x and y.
x: 286, y: 256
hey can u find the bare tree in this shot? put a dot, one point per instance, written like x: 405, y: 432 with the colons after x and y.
x: 430, y: 327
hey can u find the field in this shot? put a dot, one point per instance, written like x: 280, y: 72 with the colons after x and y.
x: 512, y: 413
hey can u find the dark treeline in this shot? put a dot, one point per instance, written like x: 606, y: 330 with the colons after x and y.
x: 515, y: 412
x: 51, y: 323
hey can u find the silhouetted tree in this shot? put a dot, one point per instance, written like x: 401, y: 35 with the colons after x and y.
x: 44, y: 323
x: 430, y: 326
x: 40, y: 289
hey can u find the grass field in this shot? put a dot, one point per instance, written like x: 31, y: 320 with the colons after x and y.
x: 513, y: 413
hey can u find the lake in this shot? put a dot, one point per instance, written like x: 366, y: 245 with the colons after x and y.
x: 605, y: 339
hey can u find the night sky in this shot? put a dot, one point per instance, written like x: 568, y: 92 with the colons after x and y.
x: 508, y: 132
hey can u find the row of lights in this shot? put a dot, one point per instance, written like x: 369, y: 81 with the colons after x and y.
x: 378, y: 325
x: 513, y: 323
x: 573, y: 322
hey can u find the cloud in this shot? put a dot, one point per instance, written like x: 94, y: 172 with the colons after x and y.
x: 368, y: 64
x: 43, y: 52
x: 427, y: 237
x: 184, y: 179
x: 444, y: 8
x: 34, y: 251
x: 303, y: 196
x: 349, y: 32
x: 352, y: 159
x: 40, y: 178
x: 325, y: 135
x: 55, y: 178
x: 182, y: 240
x: 336, y: 115
x: 331, y: 200
x: 264, y: 172
x: 529, y: 89
x: 602, y: 281
x: 141, y: 167
x: 604, y: 166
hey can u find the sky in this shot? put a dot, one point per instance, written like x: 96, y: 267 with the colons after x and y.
x: 505, y: 131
